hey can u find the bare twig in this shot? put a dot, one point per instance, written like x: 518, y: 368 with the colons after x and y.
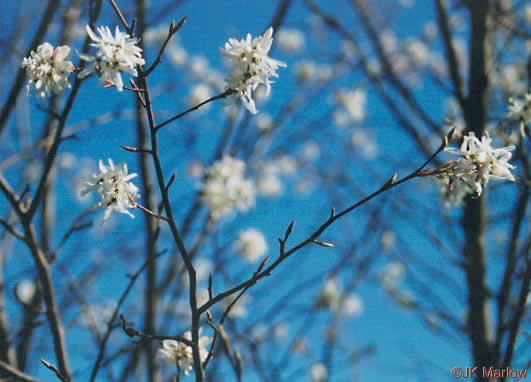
x: 55, y: 370
x: 101, y: 351
x: 225, y: 94
x: 19, y: 375
x: 173, y: 29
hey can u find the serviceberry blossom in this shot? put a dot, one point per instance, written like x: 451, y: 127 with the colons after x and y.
x: 479, y: 162
x: 225, y: 188
x: 48, y: 69
x: 332, y: 297
x: 520, y: 109
x: 251, y: 66
x: 114, y: 189
x: 116, y: 54
x: 319, y: 372
x: 251, y: 245
x: 181, y: 354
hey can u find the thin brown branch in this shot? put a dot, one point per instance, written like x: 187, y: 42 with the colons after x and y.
x: 225, y: 94
x: 59, y: 375
x: 391, y: 183
x: 173, y: 29
x: 14, y: 372
x: 110, y: 327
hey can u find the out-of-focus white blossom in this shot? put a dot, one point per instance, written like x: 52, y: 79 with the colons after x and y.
x: 388, y: 41
x: 258, y: 332
x: 520, y: 110
x: 268, y: 181
x: 479, y: 162
x: 319, y: 372
x: 199, y: 93
x: 251, y: 66
x: 329, y: 294
x: 251, y: 245
x: 354, y: 102
x: 97, y: 316
x: 527, y: 14
x: 239, y: 309
x: 388, y: 240
x: 365, y: 143
x: 311, y: 150
x: 352, y: 306
x: 48, y: 69
x: 392, y: 275
x: 418, y: 51
x: 113, y: 188
x: 290, y: 40
x: 195, y: 169
x: 199, y: 65
x: 264, y: 122
x: 181, y: 354
x: 177, y: 54
x: 280, y: 331
x: 287, y: 164
x: 116, y: 54
x: 306, y: 71
x: 225, y: 188
x: 25, y: 291
x: 332, y: 297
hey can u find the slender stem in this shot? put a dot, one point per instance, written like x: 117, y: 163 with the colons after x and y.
x: 225, y: 94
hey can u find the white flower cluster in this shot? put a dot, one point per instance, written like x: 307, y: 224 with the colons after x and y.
x: 114, y: 189
x: 226, y: 188
x: 520, y: 109
x: 181, y: 354
x: 251, y: 245
x: 319, y: 372
x: 479, y: 162
x: 332, y: 297
x: 48, y: 69
x: 353, y: 104
x: 251, y: 66
x: 116, y: 54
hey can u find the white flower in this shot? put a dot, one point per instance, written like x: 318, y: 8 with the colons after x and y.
x: 251, y: 66
x: 329, y: 294
x: 354, y: 102
x: 352, y: 306
x: 226, y: 188
x: 251, y: 245
x: 114, y: 189
x: 116, y: 54
x: 198, y: 94
x: 48, y: 69
x: 239, y: 309
x: 319, y: 372
x: 418, y: 51
x: 364, y: 142
x: 333, y: 298
x: 25, y: 291
x: 305, y: 71
x: 97, y: 316
x: 269, y: 182
x: 290, y: 40
x: 479, y: 162
x: 264, y: 122
x: 181, y: 354
x: 388, y: 240
x: 392, y: 275
x: 520, y: 109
